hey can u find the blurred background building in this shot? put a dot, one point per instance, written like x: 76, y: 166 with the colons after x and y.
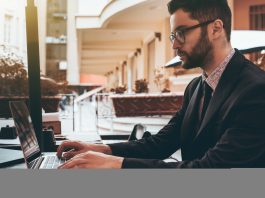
x: 107, y: 42
x: 115, y: 43
x: 12, y: 27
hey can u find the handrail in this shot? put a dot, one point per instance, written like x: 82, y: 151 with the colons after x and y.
x: 88, y: 94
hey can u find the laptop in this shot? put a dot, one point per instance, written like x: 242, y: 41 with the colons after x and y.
x: 34, y: 158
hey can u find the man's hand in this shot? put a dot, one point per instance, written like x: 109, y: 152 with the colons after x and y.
x: 73, y: 148
x: 91, y: 159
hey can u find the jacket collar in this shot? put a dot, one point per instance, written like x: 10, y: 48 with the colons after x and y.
x: 190, y: 119
x: 224, y: 88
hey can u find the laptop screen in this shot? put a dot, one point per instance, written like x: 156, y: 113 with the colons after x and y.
x: 25, y: 130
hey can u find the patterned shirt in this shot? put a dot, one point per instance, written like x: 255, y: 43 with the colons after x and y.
x: 213, y: 79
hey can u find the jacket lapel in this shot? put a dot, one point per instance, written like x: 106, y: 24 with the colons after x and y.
x: 224, y: 88
x: 191, y: 115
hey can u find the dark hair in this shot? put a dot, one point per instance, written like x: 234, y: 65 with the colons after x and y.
x: 204, y: 10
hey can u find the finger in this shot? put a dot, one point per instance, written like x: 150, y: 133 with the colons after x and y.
x: 74, y: 155
x: 74, y: 163
x: 85, y: 166
x: 82, y: 154
x: 69, y: 154
x: 66, y: 145
x: 67, y: 163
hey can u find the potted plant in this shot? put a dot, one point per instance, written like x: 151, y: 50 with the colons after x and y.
x: 14, y: 84
x: 161, y: 80
x: 119, y: 89
x: 141, y: 86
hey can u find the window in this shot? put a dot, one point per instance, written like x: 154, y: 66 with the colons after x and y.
x: 257, y: 17
x: 257, y: 22
x: 8, y: 28
x: 151, y: 66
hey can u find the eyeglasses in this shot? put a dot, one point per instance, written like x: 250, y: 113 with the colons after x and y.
x: 179, y: 35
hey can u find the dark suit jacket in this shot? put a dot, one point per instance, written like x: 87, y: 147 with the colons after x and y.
x: 232, y: 133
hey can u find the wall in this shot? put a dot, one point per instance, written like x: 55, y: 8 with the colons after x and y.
x: 93, y: 79
x: 73, y: 45
x: 93, y: 8
x: 241, y: 13
x: 42, y: 13
x: 16, y: 9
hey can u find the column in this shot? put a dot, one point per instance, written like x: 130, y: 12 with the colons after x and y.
x: 231, y: 5
x: 129, y: 75
x: 42, y: 25
x: 73, y: 67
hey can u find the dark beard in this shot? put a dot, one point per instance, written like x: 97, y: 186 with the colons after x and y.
x: 200, y: 53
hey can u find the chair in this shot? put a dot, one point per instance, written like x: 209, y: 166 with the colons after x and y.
x: 139, y: 132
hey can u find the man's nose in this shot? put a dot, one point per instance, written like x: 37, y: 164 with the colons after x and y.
x: 176, y: 45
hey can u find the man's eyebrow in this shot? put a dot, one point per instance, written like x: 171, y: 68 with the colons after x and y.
x: 180, y: 27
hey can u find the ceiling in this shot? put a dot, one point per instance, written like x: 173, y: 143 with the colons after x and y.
x: 104, y: 49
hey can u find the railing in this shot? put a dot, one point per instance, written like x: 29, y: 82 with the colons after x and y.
x: 79, y: 101
x: 104, y: 109
x: 88, y: 95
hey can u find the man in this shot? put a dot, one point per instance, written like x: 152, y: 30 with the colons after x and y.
x: 229, y: 133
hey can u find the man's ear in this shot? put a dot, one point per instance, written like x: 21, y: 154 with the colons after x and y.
x: 217, y: 28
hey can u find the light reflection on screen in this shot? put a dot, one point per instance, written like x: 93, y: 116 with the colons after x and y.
x: 25, y: 130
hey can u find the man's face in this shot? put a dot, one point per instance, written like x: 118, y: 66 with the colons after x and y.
x: 197, y: 49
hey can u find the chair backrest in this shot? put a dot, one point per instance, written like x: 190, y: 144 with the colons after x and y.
x: 139, y: 132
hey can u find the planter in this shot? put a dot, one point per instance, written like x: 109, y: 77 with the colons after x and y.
x: 146, y: 104
x: 49, y: 104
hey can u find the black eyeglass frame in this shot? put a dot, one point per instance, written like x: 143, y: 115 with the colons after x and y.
x: 181, y: 33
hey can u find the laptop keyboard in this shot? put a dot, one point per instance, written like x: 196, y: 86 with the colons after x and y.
x: 36, y: 163
x: 52, y: 162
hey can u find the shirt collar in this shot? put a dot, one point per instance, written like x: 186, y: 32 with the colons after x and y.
x: 213, y: 79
